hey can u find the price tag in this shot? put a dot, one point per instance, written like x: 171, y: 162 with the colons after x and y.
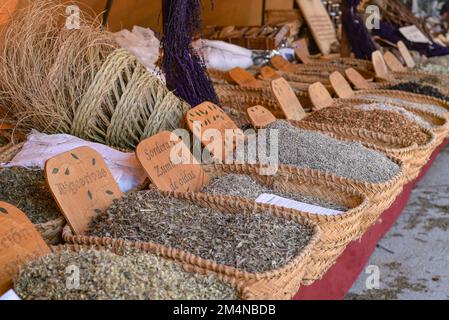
x: 82, y: 185
x: 268, y: 73
x: 209, y: 116
x: 319, y: 96
x: 379, y: 65
x: 405, y: 53
x: 357, y: 79
x: 302, y: 55
x: 170, y: 164
x: 20, y: 243
x: 341, y: 86
x: 393, y: 63
x: 260, y: 117
x: 244, y: 79
x: 288, y: 100
x: 413, y: 34
x: 283, y: 64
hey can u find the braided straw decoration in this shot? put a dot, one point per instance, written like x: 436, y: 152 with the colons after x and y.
x: 50, y: 231
x: 126, y: 104
x: 281, y: 283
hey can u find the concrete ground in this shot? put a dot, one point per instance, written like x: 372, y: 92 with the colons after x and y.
x: 413, y: 258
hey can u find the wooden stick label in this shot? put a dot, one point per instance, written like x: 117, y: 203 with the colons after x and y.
x: 379, y: 65
x: 341, y: 86
x: 170, y: 164
x: 20, y: 243
x: 269, y: 73
x: 393, y: 63
x: 244, y: 79
x: 288, y: 100
x: 260, y: 117
x: 217, y: 132
x: 82, y: 185
x: 357, y: 79
x: 319, y: 96
x: 405, y: 53
x: 283, y: 64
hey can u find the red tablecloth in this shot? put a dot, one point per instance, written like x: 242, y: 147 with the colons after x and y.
x: 341, y: 277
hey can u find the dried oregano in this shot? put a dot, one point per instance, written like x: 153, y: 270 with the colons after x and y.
x: 28, y: 190
x: 105, y: 275
x: 245, y: 240
x: 244, y: 186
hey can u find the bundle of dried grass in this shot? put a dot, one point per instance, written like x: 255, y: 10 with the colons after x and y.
x: 45, y: 67
x: 76, y: 80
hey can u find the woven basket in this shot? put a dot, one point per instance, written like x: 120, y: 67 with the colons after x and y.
x: 281, y: 283
x: 51, y: 231
x: 240, y: 290
x: 337, y: 231
x: 440, y: 122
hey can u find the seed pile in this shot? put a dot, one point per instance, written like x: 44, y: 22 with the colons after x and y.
x: 244, y: 186
x: 426, y: 107
x: 386, y: 122
x: 248, y: 241
x: 415, y: 87
x: 435, y: 65
x: 411, y: 116
x: 318, y: 151
x: 108, y: 276
x: 27, y: 190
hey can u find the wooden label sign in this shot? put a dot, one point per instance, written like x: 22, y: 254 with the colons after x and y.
x: 393, y: 63
x: 320, y: 24
x: 288, y: 100
x: 341, y: 86
x: 269, y: 73
x: 244, y: 79
x: 82, y: 185
x: 170, y: 164
x: 283, y: 64
x: 379, y: 65
x: 6, y: 126
x: 319, y: 96
x: 209, y: 116
x: 302, y: 55
x: 357, y: 79
x: 19, y: 243
x: 260, y: 117
x: 406, y: 55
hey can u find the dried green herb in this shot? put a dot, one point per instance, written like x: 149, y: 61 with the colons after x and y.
x: 244, y: 240
x: 28, y: 190
x: 246, y: 187
x: 105, y: 275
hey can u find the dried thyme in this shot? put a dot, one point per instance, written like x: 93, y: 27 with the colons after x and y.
x: 108, y: 276
x: 318, y: 151
x: 245, y: 240
x: 28, y: 190
x: 244, y: 186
